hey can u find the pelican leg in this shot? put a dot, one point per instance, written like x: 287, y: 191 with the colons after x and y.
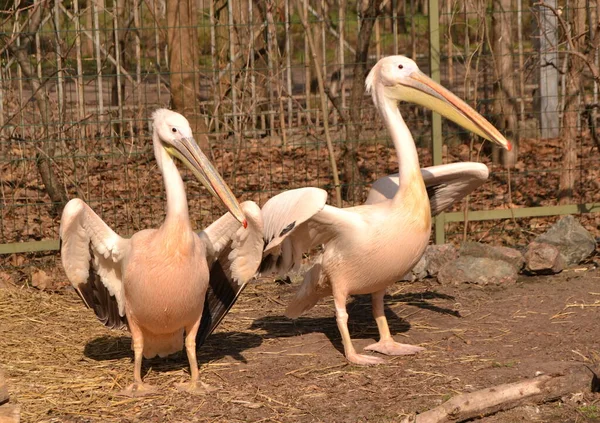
x: 386, y: 344
x: 137, y: 388
x: 195, y: 385
x: 342, y: 321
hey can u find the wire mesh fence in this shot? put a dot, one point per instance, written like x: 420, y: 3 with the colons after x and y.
x: 79, y: 81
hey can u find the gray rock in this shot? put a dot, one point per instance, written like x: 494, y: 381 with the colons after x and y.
x: 506, y: 254
x: 478, y: 270
x: 573, y: 241
x: 437, y: 256
x: 432, y: 260
x: 543, y: 259
x: 418, y: 272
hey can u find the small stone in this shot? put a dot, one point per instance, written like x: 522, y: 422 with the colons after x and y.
x: 573, y: 241
x: 543, y: 259
x: 477, y: 270
x: 409, y: 277
x: 41, y: 280
x: 506, y: 254
x: 420, y: 269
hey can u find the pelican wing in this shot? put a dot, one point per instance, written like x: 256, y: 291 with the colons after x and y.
x: 289, y: 227
x: 233, y: 255
x: 446, y: 184
x: 284, y: 216
x: 91, y: 255
x: 288, y: 210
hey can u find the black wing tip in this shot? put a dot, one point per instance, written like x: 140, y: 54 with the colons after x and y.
x: 221, y: 295
x: 287, y: 229
x: 96, y: 296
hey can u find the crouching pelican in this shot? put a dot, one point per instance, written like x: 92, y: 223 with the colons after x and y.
x: 369, y: 247
x: 155, y: 282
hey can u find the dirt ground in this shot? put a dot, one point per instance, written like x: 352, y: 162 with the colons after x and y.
x: 63, y: 366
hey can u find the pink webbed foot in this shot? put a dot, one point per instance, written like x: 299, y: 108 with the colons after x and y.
x: 364, y: 360
x: 195, y: 388
x: 136, y: 390
x: 390, y: 347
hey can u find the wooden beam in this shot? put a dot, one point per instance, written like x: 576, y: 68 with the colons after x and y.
x: 524, y: 212
x: 517, y: 213
x: 29, y: 247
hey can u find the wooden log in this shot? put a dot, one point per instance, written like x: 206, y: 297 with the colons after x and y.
x: 559, y: 380
x: 10, y: 413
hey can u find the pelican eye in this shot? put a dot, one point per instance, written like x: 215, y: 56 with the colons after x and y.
x: 174, y: 130
x: 400, y: 66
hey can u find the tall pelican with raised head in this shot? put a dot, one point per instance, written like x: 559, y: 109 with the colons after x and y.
x: 155, y: 282
x: 369, y: 247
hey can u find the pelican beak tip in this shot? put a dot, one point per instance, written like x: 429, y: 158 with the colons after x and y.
x: 245, y: 224
x: 508, y: 146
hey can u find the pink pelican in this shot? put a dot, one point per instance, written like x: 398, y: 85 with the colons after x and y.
x: 369, y: 247
x: 155, y: 282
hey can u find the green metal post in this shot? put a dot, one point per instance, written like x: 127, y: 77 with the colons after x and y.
x: 436, y: 120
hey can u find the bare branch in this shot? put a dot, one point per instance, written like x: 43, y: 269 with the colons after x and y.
x: 587, y: 59
x: 33, y: 21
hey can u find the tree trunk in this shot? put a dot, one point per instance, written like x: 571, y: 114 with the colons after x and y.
x: 88, y: 44
x: 571, y: 110
x: 351, y: 176
x: 505, y: 109
x: 44, y: 158
x: 182, y: 40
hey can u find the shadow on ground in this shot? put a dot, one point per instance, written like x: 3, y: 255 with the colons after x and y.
x: 233, y: 344
x: 218, y: 346
x: 360, y: 323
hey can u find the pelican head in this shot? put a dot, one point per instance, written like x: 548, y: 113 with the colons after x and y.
x: 399, y: 78
x: 174, y: 134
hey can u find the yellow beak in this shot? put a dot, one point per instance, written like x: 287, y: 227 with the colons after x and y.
x: 187, y: 150
x: 426, y: 92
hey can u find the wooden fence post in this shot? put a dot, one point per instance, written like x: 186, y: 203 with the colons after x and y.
x: 547, y: 33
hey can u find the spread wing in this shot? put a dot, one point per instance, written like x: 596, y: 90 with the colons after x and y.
x: 446, y: 184
x: 233, y: 255
x: 285, y: 227
x: 290, y: 228
x: 91, y: 255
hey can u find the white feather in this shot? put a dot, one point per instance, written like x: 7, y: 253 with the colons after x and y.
x: 246, y: 244
x: 453, y: 182
x: 82, y: 231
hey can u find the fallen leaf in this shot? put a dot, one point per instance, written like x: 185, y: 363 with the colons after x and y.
x: 18, y: 260
x: 41, y: 280
x: 5, y: 280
